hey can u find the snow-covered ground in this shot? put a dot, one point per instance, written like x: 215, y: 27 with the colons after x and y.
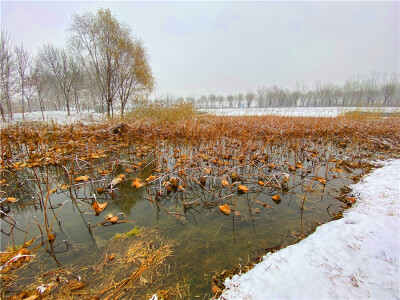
x: 356, y: 257
x: 60, y: 117
x: 295, y: 111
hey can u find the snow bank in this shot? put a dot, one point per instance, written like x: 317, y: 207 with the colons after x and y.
x: 294, y: 111
x: 60, y: 117
x: 356, y: 257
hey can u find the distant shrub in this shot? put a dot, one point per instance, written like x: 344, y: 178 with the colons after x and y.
x: 176, y: 112
x: 358, y: 113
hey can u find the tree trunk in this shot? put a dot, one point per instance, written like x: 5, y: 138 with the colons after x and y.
x: 2, y: 113
x: 23, y: 102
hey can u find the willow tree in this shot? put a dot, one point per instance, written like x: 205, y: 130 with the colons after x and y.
x: 103, y: 46
x: 135, y: 77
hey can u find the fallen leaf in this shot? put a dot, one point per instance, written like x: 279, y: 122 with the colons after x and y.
x: 82, y: 178
x: 321, y: 180
x: 215, y: 289
x: 51, y: 237
x: 225, y: 183
x: 113, y: 220
x: 234, y: 176
x: 243, y: 188
x: 276, y: 197
x: 52, y: 191
x: 351, y: 200
x: 12, y: 199
x: 337, y: 170
x: 97, y: 207
x: 137, y: 183
x: 117, y: 180
x: 226, y: 209
x: 150, y: 178
x: 64, y: 186
x: 260, y: 182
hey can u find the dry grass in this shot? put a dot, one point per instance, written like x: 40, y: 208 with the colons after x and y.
x: 205, y: 158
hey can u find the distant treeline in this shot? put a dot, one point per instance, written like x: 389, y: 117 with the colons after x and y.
x: 103, y: 68
x: 362, y: 90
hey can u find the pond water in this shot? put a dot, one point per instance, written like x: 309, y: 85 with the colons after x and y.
x: 204, y: 240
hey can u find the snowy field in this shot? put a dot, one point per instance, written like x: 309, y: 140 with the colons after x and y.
x: 356, y: 257
x: 295, y: 111
x: 91, y: 116
x: 60, y: 117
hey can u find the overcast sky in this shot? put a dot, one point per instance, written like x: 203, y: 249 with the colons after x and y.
x: 227, y: 47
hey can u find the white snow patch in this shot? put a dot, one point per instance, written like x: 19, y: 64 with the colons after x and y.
x: 60, y: 117
x: 356, y: 257
x: 295, y: 111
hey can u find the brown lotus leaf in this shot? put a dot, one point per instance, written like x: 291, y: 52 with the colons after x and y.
x: 82, y: 178
x: 150, y: 178
x: 12, y: 199
x: 112, y: 219
x: 137, y: 183
x: 117, y: 180
x: 51, y: 237
x: 276, y: 197
x: 225, y: 183
x: 97, y: 207
x: 243, y: 188
x: 64, y: 187
x: 215, y: 289
x: 226, y: 209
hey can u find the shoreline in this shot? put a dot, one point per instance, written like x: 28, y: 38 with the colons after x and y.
x: 353, y: 257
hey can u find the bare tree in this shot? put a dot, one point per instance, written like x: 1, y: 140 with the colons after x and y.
x: 7, y: 74
x: 389, y: 89
x: 250, y: 96
x: 239, y: 99
x: 61, y: 67
x: 230, y: 99
x: 23, y: 63
x: 38, y: 82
